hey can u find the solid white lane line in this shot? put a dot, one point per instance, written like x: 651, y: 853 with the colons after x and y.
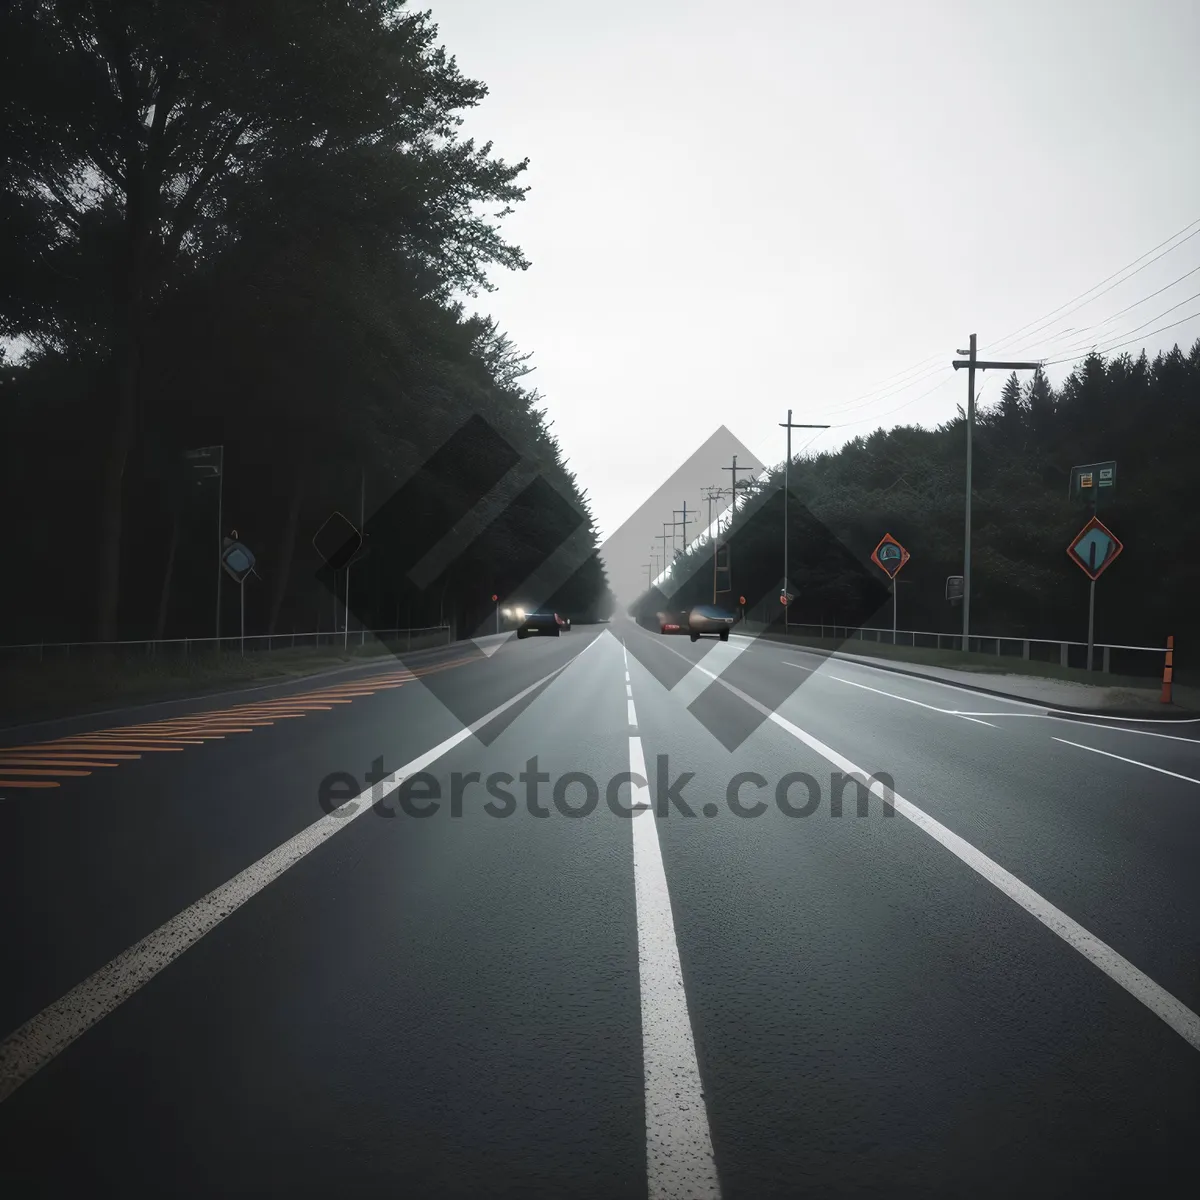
x: 679, y: 1154
x: 946, y: 712
x: 1132, y: 761
x: 27, y: 1049
x: 632, y: 715
x: 957, y: 687
x: 1171, y: 737
x: 639, y: 793
x: 1157, y: 999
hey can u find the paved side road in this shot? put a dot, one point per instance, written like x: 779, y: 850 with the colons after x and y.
x: 679, y: 954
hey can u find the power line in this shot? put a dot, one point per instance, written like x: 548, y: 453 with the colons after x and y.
x: 842, y: 409
x: 1121, y: 312
x: 1138, y: 328
x: 1106, y: 349
x: 898, y: 408
x: 885, y: 390
x: 1137, y: 303
x: 1071, y: 306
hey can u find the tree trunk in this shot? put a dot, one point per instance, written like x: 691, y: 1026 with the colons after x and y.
x: 109, y: 591
x: 160, y: 625
x: 128, y: 360
x: 287, y: 551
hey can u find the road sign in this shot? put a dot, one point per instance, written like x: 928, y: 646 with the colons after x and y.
x: 889, y: 556
x: 206, y: 462
x: 337, y: 542
x: 494, y: 597
x: 1094, y: 481
x: 1094, y: 548
x: 237, y: 559
x: 742, y: 600
x: 954, y: 588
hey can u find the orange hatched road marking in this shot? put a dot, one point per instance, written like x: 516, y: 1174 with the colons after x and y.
x: 47, y: 760
x: 96, y: 745
x: 40, y: 771
x: 49, y: 750
x: 67, y: 756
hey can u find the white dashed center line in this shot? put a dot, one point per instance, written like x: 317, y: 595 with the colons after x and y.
x: 679, y: 1154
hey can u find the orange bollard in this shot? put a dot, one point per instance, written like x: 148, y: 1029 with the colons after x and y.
x: 1168, y: 670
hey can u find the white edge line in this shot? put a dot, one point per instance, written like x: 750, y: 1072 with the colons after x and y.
x: 1157, y: 999
x: 44, y: 1036
x: 946, y: 712
x: 1173, y: 737
x: 1133, y: 762
x: 1045, y: 708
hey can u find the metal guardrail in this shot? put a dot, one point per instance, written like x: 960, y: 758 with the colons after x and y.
x: 1015, y: 647
x: 434, y: 635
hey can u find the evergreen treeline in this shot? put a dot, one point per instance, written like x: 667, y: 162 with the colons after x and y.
x: 249, y: 224
x: 909, y: 482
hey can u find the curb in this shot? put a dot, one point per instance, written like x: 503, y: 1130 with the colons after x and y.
x: 1171, y: 712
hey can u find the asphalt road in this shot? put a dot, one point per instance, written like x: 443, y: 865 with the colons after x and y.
x: 737, y: 974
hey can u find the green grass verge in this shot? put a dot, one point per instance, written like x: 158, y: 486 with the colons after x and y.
x: 32, y: 691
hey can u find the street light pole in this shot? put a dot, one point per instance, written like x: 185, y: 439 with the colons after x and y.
x: 973, y: 364
x: 787, y: 462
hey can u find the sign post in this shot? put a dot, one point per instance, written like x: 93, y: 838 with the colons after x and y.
x: 1095, y: 547
x: 1093, y: 482
x: 339, y: 543
x: 237, y: 561
x: 889, y: 556
x: 496, y: 602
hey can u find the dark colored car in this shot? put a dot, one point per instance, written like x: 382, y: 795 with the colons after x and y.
x: 709, y: 619
x: 672, y: 622
x: 542, y: 621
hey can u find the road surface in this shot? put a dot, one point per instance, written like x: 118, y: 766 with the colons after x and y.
x: 235, y: 966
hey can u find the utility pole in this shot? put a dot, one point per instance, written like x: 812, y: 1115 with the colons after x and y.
x: 712, y: 494
x: 973, y: 364
x: 649, y: 576
x: 675, y: 513
x: 362, y: 519
x: 734, y: 469
x: 662, y: 537
x: 787, y: 462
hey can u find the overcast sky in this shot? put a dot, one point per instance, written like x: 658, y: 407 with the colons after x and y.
x: 738, y: 208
